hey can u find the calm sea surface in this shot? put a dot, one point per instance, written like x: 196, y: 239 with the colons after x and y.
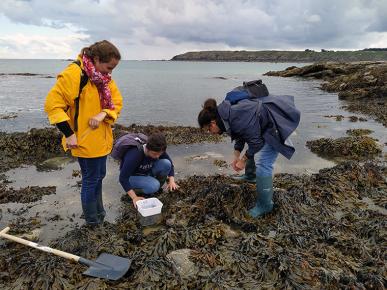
x: 171, y: 93
x: 156, y: 92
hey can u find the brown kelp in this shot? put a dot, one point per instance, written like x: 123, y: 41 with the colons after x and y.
x: 37, y: 145
x: 327, y: 231
x: 352, y: 147
x: 24, y: 195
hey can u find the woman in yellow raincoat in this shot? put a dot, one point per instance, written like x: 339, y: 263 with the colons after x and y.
x: 84, y: 114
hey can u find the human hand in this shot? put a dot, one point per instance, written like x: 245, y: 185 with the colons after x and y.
x: 71, y: 142
x: 96, y: 120
x: 234, y: 163
x: 240, y: 165
x: 172, y: 184
x: 135, y: 199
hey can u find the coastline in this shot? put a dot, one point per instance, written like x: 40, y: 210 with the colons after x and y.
x: 282, y: 56
x: 315, y: 237
x: 361, y: 85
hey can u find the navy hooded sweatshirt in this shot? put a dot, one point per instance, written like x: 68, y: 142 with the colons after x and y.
x: 135, y: 162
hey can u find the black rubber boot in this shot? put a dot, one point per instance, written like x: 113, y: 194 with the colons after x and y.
x: 90, y: 213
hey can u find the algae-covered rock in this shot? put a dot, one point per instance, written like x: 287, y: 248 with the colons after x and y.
x: 38, y: 145
x: 183, y: 265
x: 54, y: 163
x: 24, y: 195
x: 358, y: 147
x: 362, y: 85
x: 359, y: 132
x: 174, y: 135
x: 327, y: 231
x: 28, y: 148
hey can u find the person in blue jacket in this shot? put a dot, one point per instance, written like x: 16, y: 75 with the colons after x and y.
x: 146, y: 168
x: 265, y: 124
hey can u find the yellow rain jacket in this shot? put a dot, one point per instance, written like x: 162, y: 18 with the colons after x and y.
x: 60, y: 106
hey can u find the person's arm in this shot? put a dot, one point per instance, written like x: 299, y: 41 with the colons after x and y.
x: 129, y: 164
x: 172, y: 185
x: 255, y: 143
x: 132, y: 194
x: 65, y: 128
x: 62, y: 95
x: 239, y: 144
x: 71, y: 139
x: 238, y: 148
x: 166, y: 156
x: 59, y: 99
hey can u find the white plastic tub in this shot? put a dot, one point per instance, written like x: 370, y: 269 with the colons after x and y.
x: 149, y: 211
x: 149, y: 206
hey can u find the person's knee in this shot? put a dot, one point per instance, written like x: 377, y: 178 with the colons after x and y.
x: 163, y: 167
x: 152, y: 186
x: 263, y: 169
x: 91, y: 181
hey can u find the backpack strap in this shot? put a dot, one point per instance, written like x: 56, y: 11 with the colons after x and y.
x: 82, y: 84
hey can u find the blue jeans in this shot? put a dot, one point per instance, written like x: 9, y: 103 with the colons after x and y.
x: 264, y: 160
x: 93, y: 171
x: 149, y: 184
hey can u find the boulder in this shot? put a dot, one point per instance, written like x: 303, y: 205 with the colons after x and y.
x: 183, y: 265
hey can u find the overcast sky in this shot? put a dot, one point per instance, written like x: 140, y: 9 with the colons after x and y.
x: 151, y: 29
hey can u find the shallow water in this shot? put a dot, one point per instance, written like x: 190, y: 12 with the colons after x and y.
x: 160, y: 93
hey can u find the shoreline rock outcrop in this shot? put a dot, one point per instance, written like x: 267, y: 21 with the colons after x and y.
x: 363, y: 85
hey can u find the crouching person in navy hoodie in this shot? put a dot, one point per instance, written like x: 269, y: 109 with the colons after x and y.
x: 145, y: 169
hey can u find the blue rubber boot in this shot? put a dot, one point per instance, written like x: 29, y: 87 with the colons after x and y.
x: 249, y: 175
x: 264, y: 203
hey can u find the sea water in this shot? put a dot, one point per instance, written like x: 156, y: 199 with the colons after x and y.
x: 171, y: 93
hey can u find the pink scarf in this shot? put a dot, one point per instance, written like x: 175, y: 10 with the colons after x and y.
x: 101, y: 81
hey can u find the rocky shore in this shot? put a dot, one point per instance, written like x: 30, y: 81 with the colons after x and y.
x: 362, y: 85
x: 328, y: 230
x: 37, y: 145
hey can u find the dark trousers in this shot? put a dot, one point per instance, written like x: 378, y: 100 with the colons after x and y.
x: 93, y: 171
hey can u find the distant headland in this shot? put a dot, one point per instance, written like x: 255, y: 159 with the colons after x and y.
x: 308, y: 55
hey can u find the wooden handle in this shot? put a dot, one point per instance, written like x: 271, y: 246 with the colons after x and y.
x: 4, y: 231
x: 69, y: 256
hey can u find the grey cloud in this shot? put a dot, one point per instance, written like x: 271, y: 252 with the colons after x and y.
x: 257, y: 24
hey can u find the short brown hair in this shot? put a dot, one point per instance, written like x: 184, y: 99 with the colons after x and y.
x: 157, y: 142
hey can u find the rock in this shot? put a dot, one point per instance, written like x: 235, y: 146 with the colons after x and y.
x: 173, y: 221
x: 229, y: 233
x: 33, y: 235
x: 353, y: 147
x: 183, y: 265
x: 54, y: 163
x: 363, y: 84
